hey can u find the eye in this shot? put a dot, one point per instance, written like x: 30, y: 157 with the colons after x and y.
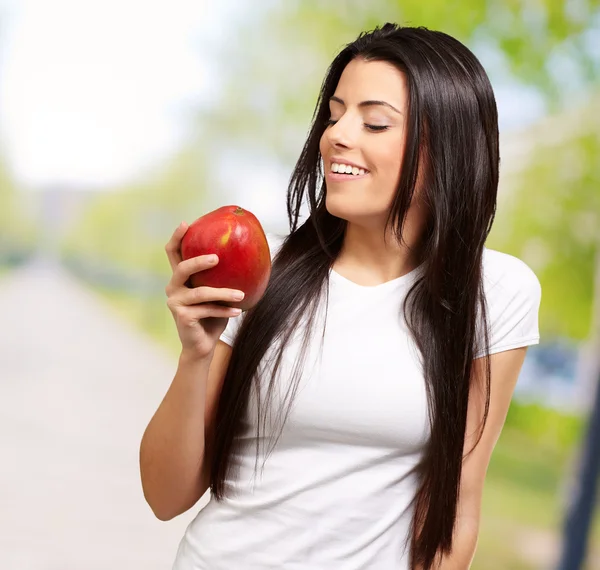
x: 376, y: 128
x: 372, y: 128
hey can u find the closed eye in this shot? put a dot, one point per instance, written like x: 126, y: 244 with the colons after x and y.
x: 376, y: 128
x: 373, y: 128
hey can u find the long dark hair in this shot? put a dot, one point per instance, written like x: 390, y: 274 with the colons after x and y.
x: 452, y: 129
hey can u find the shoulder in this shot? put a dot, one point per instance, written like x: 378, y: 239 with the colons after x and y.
x: 506, y: 276
x: 513, y: 295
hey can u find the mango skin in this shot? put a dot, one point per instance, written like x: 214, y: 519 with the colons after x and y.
x: 237, y: 237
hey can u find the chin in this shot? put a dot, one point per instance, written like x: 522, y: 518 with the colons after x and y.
x: 353, y: 212
x: 338, y: 206
x: 345, y: 210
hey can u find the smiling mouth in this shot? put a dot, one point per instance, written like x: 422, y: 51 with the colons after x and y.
x: 343, y: 177
x: 351, y: 170
x: 334, y: 177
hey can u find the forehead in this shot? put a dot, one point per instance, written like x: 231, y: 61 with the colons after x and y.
x: 372, y: 80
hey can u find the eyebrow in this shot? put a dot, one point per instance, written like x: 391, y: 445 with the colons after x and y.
x: 366, y: 103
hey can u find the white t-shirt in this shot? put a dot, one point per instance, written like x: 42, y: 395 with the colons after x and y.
x: 336, y: 491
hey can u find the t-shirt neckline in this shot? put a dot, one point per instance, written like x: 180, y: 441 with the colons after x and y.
x: 405, y: 279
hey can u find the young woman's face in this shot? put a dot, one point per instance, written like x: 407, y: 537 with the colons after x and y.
x: 368, y: 116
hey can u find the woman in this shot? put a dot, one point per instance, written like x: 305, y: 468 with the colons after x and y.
x: 347, y: 420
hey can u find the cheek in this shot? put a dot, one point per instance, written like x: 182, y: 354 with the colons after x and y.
x: 389, y: 166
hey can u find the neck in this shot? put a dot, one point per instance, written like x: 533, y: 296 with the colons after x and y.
x: 370, y: 256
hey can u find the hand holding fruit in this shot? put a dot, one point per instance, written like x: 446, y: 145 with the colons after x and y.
x: 199, y: 319
x: 201, y: 312
x: 237, y: 237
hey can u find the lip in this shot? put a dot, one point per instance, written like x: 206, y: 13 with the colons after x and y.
x: 341, y: 160
x: 337, y: 177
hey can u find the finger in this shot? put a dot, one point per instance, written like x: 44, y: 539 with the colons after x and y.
x: 190, y: 266
x: 198, y: 295
x: 173, y: 247
x: 193, y: 313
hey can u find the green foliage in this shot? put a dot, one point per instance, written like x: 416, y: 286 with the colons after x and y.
x: 274, y: 81
x: 546, y: 428
x: 128, y: 227
x: 17, y: 229
x: 552, y: 221
x: 525, y: 488
x: 275, y: 68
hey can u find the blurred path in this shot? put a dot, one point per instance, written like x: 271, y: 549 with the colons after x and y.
x: 77, y: 388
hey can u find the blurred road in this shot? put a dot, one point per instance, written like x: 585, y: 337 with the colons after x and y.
x: 77, y: 388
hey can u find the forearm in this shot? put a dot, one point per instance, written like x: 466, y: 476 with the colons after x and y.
x: 172, y: 447
x: 463, y: 547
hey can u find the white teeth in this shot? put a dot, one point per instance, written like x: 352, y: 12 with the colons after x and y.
x: 347, y: 169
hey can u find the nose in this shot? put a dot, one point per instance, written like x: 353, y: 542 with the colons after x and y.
x: 340, y: 135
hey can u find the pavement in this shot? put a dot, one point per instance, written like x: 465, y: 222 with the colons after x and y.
x: 78, y: 386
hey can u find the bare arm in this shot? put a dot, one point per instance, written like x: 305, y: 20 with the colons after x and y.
x: 172, y: 452
x: 505, y: 368
x: 173, y: 458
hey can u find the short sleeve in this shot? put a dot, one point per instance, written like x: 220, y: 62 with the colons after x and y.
x: 234, y: 323
x: 230, y: 332
x: 513, y: 294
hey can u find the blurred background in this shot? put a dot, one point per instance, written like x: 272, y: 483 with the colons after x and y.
x: 120, y: 119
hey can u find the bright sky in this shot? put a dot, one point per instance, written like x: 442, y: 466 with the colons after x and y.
x: 94, y: 90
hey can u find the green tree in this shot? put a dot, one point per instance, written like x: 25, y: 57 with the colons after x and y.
x: 126, y: 227
x: 17, y: 229
x: 117, y: 245
x: 551, y: 218
x: 276, y: 67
